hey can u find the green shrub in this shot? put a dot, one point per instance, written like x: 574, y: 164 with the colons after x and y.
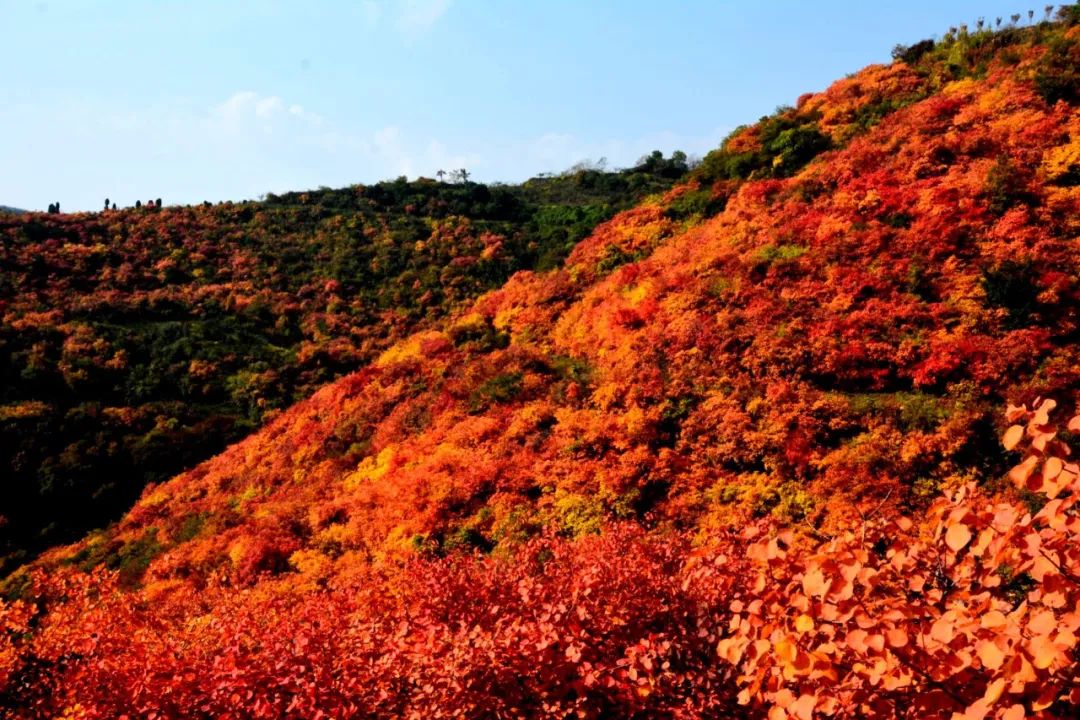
x: 498, y: 389
x: 1012, y: 286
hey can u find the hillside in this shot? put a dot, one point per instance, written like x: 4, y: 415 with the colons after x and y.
x: 739, y: 455
x: 11, y: 210
x: 136, y: 343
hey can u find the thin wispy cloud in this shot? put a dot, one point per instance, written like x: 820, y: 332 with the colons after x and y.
x: 410, y: 18
x: 246, y: 105
x: 416, y: 17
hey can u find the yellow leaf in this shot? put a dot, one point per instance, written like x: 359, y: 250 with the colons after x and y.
x: 804, y: 624
x: 785, y: 650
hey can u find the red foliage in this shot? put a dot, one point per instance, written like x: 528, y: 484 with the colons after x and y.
x: 970, y: 614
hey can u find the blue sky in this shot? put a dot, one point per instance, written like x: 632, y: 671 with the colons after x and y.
x: 200, y: 100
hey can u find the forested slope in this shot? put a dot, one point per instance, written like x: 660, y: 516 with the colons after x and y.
x: 136, y: 343
x: 740, y: 455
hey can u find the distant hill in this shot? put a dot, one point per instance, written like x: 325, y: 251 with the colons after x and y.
x: 11, y: 210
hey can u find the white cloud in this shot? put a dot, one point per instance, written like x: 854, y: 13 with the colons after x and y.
x: 267, y: 107
x: 410, y: 18
x: 236, y: 106
x: 246, y: 112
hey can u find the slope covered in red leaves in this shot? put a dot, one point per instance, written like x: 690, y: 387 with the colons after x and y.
x: 671, y: 477
x: 136, y: 343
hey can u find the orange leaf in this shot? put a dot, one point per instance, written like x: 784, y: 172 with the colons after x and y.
x: 990, y: 655
x: 1041, y: 439
x: 1015, y: 412
x: 730, y: 650
x: 1043, y: 652
x: 976, y: 711
x: 814, y: 583
x: 994, y: 690
x: 803, y: 708
x: 897, y: 637
x: 957, y: 537
x: 1042, y: 567
x: 1042, y: 413
x: 942, y: 630
x: 1012, y: 436
x: 856, y: 640
x: 1015, y: 712
x: 1042, y: 622
x: 777, y: 713
x: 1047, y: 697
x: 1022, y: 472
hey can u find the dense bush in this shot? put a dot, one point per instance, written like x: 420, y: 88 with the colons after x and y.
x: 783, y: 143
x: 970, y: 612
